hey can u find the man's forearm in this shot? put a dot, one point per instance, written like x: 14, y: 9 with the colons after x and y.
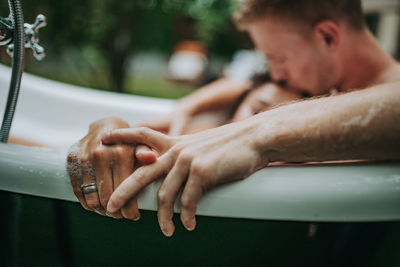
x: 363, y: 124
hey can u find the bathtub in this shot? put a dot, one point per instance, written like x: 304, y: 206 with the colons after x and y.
x: 56, y: 115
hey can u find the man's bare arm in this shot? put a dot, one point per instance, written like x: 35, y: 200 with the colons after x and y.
x: 363, y: 124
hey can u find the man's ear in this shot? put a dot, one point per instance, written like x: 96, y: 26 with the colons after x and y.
x: 328, y: 31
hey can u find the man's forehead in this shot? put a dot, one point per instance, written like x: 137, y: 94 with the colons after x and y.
x: 278, y: 27
x: 268, y: 35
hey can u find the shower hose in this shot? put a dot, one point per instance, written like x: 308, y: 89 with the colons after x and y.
x: 17, y: 19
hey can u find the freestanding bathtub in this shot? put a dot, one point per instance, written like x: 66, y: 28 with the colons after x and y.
x: 269, y: 205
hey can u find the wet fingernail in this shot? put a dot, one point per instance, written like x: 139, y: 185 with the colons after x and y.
x: 189, y: 228
x: 111, y: 207
x: 167, y: 232
x: 191, y: 225
x: 106, y: 136
x: 109, y: 214
x: 137, y: 218
x: 123, y: 213
x: 98, y: 212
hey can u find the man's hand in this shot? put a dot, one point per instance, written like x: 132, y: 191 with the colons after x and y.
x: 363, y: 124
x: 195, y: 163
x: 90, y: 162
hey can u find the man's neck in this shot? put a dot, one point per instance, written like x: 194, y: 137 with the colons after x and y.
x: 363, y: 62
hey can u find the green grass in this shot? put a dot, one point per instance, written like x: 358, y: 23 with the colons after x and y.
x: 156, y: 87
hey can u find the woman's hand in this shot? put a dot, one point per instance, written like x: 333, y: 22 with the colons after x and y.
x: 194, y: 162
x: 105, y: 167
x: 175, y: 122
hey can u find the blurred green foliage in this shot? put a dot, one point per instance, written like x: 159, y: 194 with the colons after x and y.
x: 104, y: 35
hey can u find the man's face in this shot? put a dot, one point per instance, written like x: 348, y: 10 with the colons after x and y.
x: 300, y: 61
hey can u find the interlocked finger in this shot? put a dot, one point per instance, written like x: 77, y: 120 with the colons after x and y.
x: 190, y: 197
x: 88, y: 181
x: 145, y: 155
x: 141, y: 135
x: 167, y: 194
x: 137, y: 181
x: 75, y: 173
x: 123, y: 166
x: 103, y: 180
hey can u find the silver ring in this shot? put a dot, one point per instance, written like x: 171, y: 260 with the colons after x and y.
x: 89, y: 188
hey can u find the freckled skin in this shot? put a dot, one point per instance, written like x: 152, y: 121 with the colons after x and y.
x: 91, y: 162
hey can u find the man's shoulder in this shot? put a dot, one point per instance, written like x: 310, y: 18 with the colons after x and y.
x: 392, y: 74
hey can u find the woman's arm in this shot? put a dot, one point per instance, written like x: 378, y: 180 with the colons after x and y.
x: 217, y: 95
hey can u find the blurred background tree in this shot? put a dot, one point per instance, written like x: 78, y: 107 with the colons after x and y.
x: 95, y: 43
x: 124, y: 45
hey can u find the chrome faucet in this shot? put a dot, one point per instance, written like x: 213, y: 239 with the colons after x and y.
x: 17, y: 35
x: 31, y: 36
x: 31, y: 32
